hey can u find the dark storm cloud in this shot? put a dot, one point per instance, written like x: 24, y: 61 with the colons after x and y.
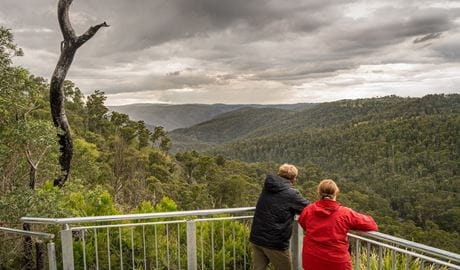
x: 143, y: 24
x: 427, y: 37
x: 390, y: 26
x: 200, y: 44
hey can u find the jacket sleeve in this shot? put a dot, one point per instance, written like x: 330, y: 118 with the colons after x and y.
x: 298, y: 202
x: 360, y: 222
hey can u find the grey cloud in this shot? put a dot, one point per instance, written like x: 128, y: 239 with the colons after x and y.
x: 219, y: 42
x: 165, y: 82
x: 449, y: 48
x: 427, y: 37
x: 390, y: 26
x: 175, y: 73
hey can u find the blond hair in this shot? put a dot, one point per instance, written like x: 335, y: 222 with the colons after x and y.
x: 288, y: 171
x: 327, y: 188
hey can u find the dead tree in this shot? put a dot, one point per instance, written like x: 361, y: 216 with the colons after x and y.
x: 69, y: 47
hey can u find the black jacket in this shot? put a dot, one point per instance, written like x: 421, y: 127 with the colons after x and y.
x: 277, y: 205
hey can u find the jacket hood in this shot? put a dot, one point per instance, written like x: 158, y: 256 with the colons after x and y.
x: 274, y: 183
x: 325, y: 208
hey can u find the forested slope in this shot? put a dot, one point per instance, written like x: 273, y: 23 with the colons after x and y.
x: 173, y: 116
x: 226, y: 127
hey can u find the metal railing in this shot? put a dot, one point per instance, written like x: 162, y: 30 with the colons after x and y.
x: 374, y: 250
x: 212, y: 239
x: 45, y: 238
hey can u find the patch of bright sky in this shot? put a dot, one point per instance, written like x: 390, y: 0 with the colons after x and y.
x: 363, y: 9
x: 446, y: 4
x: 135, y: 97
x: 33, y: 30
x: 381, y: 80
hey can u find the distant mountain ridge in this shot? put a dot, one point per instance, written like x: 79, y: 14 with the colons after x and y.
x: 228, y: 126
x: 255, y: 123
x: 186, y: 115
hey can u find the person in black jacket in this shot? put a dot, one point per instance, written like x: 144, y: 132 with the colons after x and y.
x: 272, y: 225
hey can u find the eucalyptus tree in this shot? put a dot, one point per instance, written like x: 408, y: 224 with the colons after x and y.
x: 69, y: 47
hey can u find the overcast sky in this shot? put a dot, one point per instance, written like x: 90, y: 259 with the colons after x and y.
x: 248, y: 51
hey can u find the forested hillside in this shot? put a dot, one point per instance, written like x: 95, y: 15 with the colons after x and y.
x: 171, y: 116
x: 397, y: 159
x: 226, y: 127
x: 256, y: 123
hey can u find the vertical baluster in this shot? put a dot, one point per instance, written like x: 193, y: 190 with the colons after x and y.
x: 212, y: 243
x: 95, y: 248
x: 178, y: 245
x: 108, y: 249
x: 244, y: 245
x: 143, y: 245
x: 201, y: 245
x: 156, y: 246
x: 132, y: 248
x: 393, y: 260
x: 357, y: 254
x: 422, y: 264
x: 167, y: 245
x: 380, y: 258
x: 3, y: 261
x: 223, y: 244
x: 234, y: 247
x: 406, y: 263
x: 121, y: 247
x: 52, y: 264
x: 368, y: 256
x: 84, y: 248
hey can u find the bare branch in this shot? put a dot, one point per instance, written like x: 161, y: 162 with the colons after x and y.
x: 42, y: 155
x: 64, y: 20
x: 35, y: 107
x: 89, y: 33
x: 29, y: 157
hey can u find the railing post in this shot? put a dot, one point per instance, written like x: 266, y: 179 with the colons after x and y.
x: 51, y: 256
x: 67, y: 249
x: 296, y: 246
x: 191, y: 245
x: 357, y: 254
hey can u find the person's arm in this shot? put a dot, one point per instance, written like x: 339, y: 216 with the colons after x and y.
x: 298, y: 202
x: 360, y: 222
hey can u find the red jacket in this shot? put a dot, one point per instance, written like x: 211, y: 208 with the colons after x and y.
x: 326, y: 224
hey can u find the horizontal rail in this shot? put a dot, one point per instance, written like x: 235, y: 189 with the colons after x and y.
x: 405, y: 251
x: 128, y: 225
x: 413, y: 245
x: 41, y: 235
x: 222, y: 218
x: 75, y: 220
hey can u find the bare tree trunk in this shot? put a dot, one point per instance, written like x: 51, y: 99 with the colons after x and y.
x: 32, y: 176
x: 40, y: 250
x: 27, y: 246
x: 68, y: 49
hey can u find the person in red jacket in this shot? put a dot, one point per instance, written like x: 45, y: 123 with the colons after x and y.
x: 326, y: 224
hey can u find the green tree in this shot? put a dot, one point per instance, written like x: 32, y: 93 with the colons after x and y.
x: 96, y: 112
